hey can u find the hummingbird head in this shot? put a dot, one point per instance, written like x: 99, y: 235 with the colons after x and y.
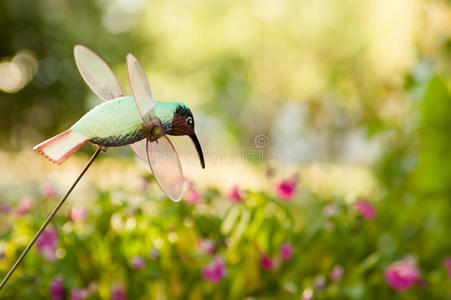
x: 183, y: 124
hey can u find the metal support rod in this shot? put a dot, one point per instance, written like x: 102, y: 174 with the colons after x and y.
x: 55, y: 210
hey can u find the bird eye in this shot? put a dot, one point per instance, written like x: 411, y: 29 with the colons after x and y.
x: 189, y: 121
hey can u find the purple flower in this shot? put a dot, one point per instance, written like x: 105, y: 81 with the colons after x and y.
x: 319, y: 283
x: 402, y: 274
x: 208, y: 246
x: 4, y: 208
x: 78, y: 294
x: 336, y: 274
x: 48, y: 190
x: 286, y: 251
x: 118, y: 293
x: 286, y: 189
x: 77, y: 214
x: 47, y: 244
x: 447, y: 264
x: 137, y: 262
x: 57, y: 288
x: 266, y: 262
x: 215, y: 270
x: 365, y: 209
x: 234, y: 195
x: 25, y: 204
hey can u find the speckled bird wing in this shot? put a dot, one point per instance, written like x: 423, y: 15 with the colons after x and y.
x: 96, y: 73
x: 160, y: 155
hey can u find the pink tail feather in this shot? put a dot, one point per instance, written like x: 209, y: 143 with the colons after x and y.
x: 58, y: 148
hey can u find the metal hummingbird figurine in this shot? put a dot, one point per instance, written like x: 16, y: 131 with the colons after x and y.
x: 138, y: 121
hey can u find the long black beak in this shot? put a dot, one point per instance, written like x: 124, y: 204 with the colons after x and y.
x: 199, y: 149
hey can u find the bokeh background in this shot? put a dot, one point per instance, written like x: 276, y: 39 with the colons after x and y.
x: 326, y: 130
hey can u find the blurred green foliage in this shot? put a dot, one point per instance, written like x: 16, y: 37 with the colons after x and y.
x: 100, y: 248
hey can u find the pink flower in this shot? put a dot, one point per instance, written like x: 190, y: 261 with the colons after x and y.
x: 118, y: 293
x: 78, y: 214
x: 48, y: 190
x: 286, y: 189
x: 447, y: 264
x: 57, y: 288
x: 4, y: 208
x: 47, y: 244
x: 402, y: 274
x: 25, y: 204
x: 215, y: 270
x: 365, y: 209
x: 266, y: 262
x: 143, y: 184
x: 208, y: 246
x: 336, y: 274
x: 78, y: 294
x: 192, y: 196
x: 286, y: 251
x: 137, y: 262
x: 234, y: 195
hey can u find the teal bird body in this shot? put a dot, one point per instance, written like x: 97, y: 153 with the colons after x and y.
x: 117, y: 122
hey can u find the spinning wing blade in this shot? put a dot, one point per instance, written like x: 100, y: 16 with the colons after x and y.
x: 165, y: 164
x: 140, y: 88
x: 166, y: 167
x: 96, y: 73
x: 140, y: 150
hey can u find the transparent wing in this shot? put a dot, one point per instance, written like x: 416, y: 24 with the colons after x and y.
x: 140, y: 150
x: 166, y: 167
x: 140, y: 88
x: 165, y: 164
x: 96, y: 73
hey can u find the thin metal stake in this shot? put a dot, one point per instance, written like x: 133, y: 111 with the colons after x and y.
x: 19, y: 260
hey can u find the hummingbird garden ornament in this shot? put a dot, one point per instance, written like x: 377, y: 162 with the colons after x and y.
x: 138, y: 121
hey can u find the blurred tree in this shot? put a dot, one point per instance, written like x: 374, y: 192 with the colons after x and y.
x: 48, y: 30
